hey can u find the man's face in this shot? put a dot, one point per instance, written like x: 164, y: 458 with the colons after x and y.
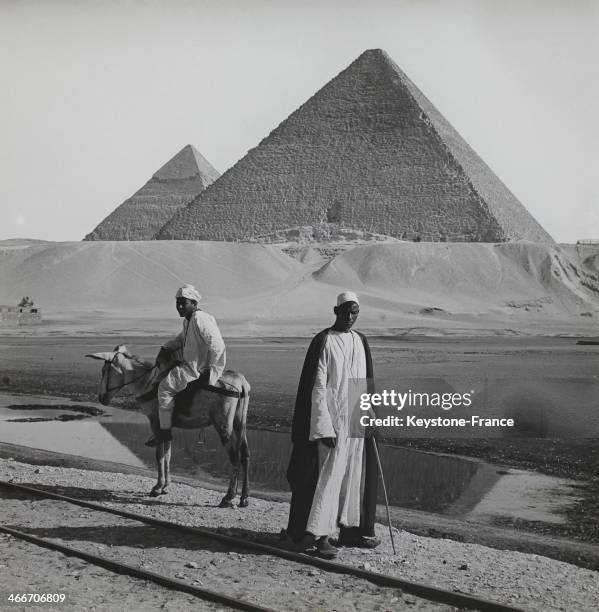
x: 346, y: 316
x: 185, y: 307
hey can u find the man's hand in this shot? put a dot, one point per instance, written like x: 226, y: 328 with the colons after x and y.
x: 330, y: 442
x: 204, y: 379
x: 163, y: 356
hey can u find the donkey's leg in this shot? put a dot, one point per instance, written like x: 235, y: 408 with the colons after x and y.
x: 161, y: 482
x: 232, y: 449
x: 167, y: 466
x: 244, y: 450
x: 245, y: 466
x: 222, y: 416
x: 158, y: 453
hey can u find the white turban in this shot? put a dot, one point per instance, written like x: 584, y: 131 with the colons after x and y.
x: 347, y: 296
x: 189, y: 292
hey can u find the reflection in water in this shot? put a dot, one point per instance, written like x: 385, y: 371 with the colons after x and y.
x: 87, y: 438
x: 414, y: 479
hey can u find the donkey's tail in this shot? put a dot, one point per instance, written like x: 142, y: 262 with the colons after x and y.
x: 245, y: 401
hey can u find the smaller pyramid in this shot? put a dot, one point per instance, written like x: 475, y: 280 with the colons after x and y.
x: 174, y: 186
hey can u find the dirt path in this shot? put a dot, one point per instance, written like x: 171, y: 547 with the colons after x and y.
x: 529, y: 581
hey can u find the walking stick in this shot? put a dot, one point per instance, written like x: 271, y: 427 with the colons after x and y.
x: 378, y: 461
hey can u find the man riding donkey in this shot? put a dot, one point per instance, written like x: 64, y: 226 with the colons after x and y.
x: 198, y: 352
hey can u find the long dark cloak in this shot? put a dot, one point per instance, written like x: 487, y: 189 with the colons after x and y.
x: 302, y: 472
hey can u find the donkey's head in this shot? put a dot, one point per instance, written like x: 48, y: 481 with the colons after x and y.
x: 113, y: 372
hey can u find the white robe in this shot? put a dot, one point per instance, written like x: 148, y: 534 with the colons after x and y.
x: 337, y: 496
x: 199, y: 347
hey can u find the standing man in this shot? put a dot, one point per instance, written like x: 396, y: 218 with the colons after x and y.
x: 199, y: 352
x: 333, y: 476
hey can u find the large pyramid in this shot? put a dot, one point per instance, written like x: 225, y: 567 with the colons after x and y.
x: 175, y: 185
x: 367, y: 152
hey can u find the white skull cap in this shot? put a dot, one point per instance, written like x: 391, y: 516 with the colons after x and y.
x: 347, y: 296
x: 189, y: 292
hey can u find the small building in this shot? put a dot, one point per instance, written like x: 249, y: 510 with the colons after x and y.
x: 20, y: 315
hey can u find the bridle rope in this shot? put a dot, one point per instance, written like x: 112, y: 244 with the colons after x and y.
x: 111, y: 362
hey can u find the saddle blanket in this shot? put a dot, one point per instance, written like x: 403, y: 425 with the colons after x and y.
x: 221, y: 388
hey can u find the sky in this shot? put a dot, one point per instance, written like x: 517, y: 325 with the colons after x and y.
x: 97, y: 96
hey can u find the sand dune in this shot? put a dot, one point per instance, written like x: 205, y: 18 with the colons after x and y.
x: 115, y: 276
x: 259, y: 290
x: 467, y: 277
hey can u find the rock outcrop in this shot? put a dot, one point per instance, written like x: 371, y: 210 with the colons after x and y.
x: 174, y: 186
x: 367, y: 152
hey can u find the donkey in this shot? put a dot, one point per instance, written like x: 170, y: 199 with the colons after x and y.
x: 224, y: 406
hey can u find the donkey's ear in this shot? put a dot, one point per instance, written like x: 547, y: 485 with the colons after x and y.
x: 122, y: 348
x: 102, y: 356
